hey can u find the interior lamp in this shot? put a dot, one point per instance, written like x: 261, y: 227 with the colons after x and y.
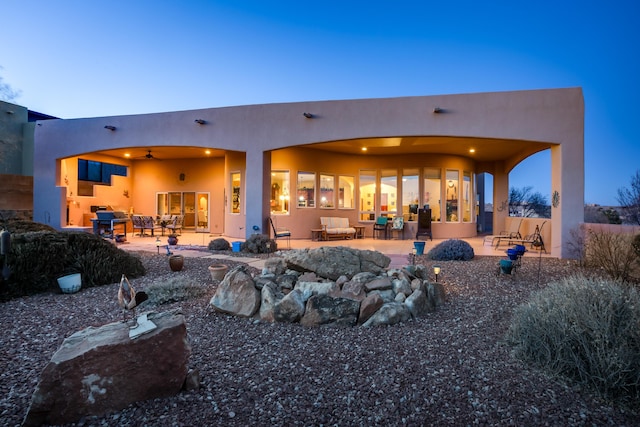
x: 436, y: 271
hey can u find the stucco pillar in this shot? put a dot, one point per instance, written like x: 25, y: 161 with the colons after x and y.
x: 500, y: 199
x: 567, y: 195
x: 258, y: 182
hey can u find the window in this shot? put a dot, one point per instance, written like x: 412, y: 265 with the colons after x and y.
x: 466, y: 196
x: 235, y: 192
x: 279, y: 203
x: 306, y: 190
x: 346, y: 192
x: 432, y: 192
x: 327, y: 193
x: 368, y: 195
x: 91, y: 170
x: 388, y: 192
x: 410, y: 194
x: 452, y: 186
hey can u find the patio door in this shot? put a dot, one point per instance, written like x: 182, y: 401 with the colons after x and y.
x: 202, y: 212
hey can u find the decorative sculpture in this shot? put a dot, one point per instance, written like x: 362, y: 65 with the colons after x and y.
x: 129, y: 299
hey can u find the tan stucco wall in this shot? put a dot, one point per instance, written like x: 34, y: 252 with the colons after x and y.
x: 534, y: 120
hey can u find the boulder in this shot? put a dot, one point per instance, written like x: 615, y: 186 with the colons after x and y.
x: 378, y: 284
x: 317, y: 288
x: 275, y: 265
x: 290, y: 308
x: 237, y: 294
x: 269, y: 297
x: 99, y: 370
x: 332, y: 262
x: 368, y: 306
x: 436, y: 294
x: 389, y: 314
x: 419, y: 303
x: 326, y: 310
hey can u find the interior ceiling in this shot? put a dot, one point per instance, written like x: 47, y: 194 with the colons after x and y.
x: 486, y: 150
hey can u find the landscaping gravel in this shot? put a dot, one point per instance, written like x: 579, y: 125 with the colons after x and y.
x: 450, y: 368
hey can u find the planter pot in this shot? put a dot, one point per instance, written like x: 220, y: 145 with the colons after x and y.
x: 172, y: 240
x: 520, y: 249
x: 176, y: 262
x: 218, y: 271
x: 506, y: 266
x: 512, y: 254
x: 120, y: 238
x: 70, y: 283
x: 419, y: 247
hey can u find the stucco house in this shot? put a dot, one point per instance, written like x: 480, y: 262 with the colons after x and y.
x: 227, y: 170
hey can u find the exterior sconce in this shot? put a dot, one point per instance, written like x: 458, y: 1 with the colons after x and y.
x: 308, y: 115
x: 436, y: 271
x: 181, y: 177
x: 111, y: 128
x: 200, y: 121
x: 438, y: 110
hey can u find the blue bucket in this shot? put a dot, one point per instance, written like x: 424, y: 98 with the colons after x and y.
x: 419, y: 247
x: 235, y: 246
x: 506, y: 266
x: 520, y: 249
x: 512, y: 254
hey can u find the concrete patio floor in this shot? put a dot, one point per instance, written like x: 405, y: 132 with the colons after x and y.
x: 389, y: 247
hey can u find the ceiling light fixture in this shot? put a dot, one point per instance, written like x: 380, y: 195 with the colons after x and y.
x: 200, y: 121
x: 111, y: 128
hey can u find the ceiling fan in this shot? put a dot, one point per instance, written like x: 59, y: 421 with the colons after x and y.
x: 148, y: 156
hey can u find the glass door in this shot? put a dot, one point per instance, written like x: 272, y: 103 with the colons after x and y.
x: 189, y: 209
x: 202, y: 214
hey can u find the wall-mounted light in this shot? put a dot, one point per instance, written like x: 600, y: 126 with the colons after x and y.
x: 111, y: 128
x: 9, y: 112
x: 181, y: 177
x: 438, y: 110
x: 308, y: 115
x: 436, y: 271
x: 200, y: 121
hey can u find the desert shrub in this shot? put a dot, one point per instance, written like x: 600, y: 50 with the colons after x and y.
x: 37, y: 259
x: 585, y: 330
x: 257, y: 244
x: 19, y: 226
x: 613, y: 253
x: 219, y: 244
x: 451, y: 250
x: 173, y: 289
x: 635, y: 245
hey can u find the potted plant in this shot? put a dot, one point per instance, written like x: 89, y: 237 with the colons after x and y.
x: 176, y: 262
x: 172, y: 239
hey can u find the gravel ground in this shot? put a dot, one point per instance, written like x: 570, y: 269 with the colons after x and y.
x: 449, y: 368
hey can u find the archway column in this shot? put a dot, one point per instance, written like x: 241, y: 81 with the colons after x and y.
x: 500, y: 199
x: 257, y: 185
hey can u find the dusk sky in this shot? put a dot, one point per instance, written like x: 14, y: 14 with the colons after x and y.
x: 74, y: 59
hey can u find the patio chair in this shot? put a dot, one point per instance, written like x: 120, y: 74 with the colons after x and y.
x: 381, y: 224
x: 424, y: 224
x: 136, y: 220
x: 175, y: 225
x: 397, y: 225
x: 279, y: 232
x: 149, y: 223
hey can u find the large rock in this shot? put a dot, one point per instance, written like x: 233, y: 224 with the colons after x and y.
x: 270, y: 295
x: 325, y: 310
x: 389, y: 314
x: 369, y: 306
x: 237, y: 294
x: 419, y: 303
x: 332, y: 262
x: 99, y: 370
x: 290, y: 308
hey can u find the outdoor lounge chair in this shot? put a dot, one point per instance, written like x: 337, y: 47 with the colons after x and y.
x: 512, y: 232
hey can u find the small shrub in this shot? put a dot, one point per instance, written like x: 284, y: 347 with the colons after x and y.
x: 611, y: 252
x: 585, y: 330
x: 173, y: 289
x: 37, y: 259
x: 257, y: 244
x: 451, y: 250
x: 219, y: 244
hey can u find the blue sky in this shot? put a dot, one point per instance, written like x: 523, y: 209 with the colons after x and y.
x: 74, y: 58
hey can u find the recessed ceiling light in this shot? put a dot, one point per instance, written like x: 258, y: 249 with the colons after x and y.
x: 364, y: 148
x: 127, y: 154
x: 472, y: 150
x: 207, y: 152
